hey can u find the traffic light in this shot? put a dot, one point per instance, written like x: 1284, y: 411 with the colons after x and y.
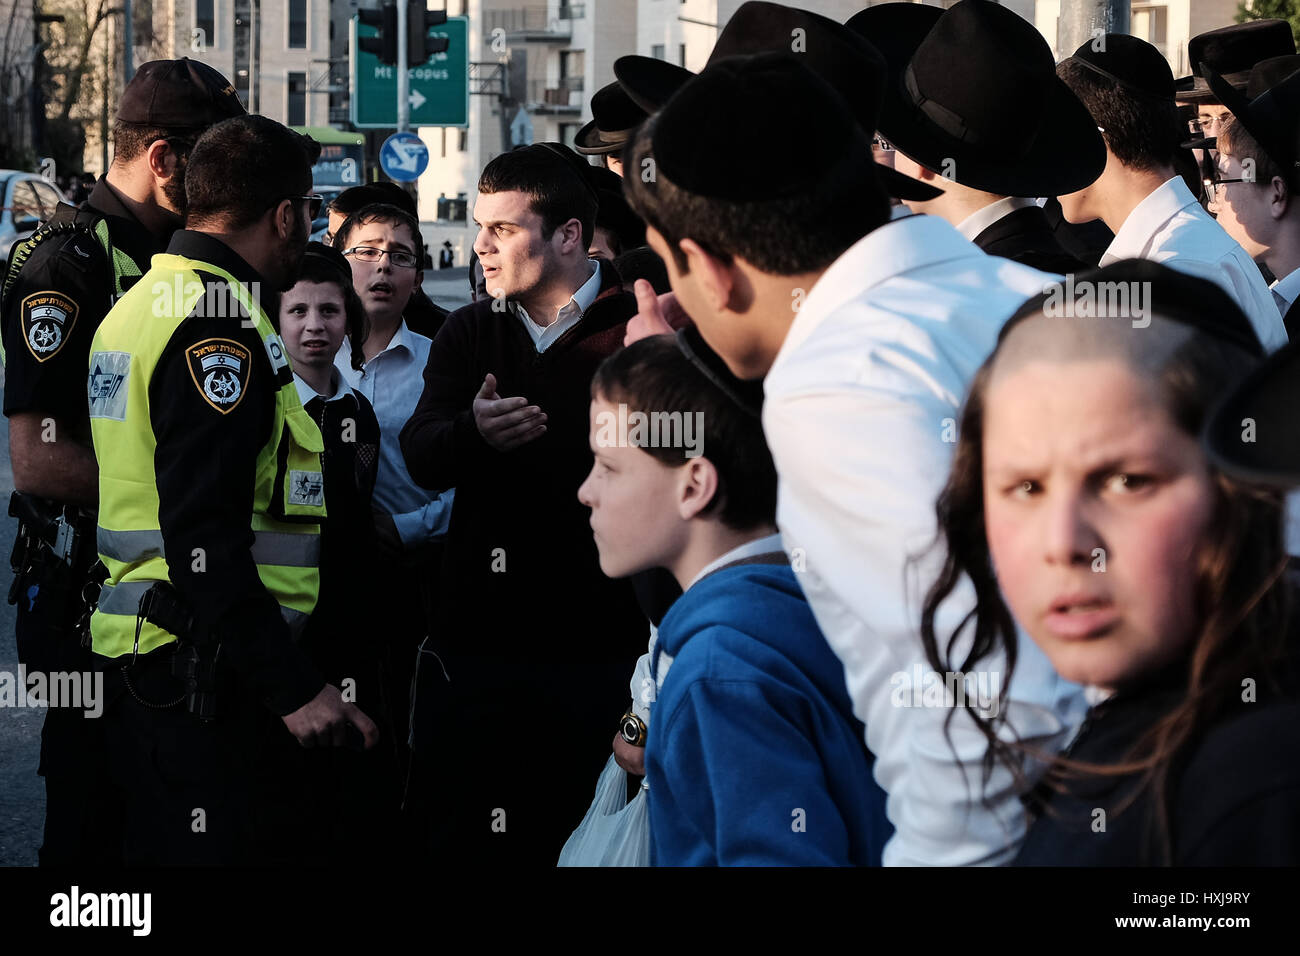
x: 384, y: 45
x: 419, y: 45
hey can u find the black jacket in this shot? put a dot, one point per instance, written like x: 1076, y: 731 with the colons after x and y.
x: 1234, y: 795
x: 1024, y: 236
x: 521, y: 580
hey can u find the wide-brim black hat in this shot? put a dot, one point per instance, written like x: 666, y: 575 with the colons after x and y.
x: 615, y: 117
x: 1265, y: 75
x: 842, y: 58
x: 1272, y: 119
x: 1232, y: 52
x: 1253, y: 434
x: 973, y: 90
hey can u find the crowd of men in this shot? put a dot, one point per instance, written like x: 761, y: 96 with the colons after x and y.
x: 362, y: 575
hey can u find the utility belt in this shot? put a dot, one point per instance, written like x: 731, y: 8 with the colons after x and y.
x: 55, y: 550
x: 194, y: 662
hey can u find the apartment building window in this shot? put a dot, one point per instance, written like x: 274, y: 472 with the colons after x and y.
x: 297, y: 107
x: 297, y: 24
x: 657, y: 51
x: 142, y: 21
x: 1151, y: 23
x: 205, y: 22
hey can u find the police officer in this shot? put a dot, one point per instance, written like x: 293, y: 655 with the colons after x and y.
x: 59, y: 285
x: 210, y: 498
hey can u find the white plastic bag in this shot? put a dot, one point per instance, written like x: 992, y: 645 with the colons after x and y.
x: 614, y: 832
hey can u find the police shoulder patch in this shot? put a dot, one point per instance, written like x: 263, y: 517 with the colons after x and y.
x: 220, y: 369
x: 47, y: 319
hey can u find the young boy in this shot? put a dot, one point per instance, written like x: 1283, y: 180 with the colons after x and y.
x: 753, y: 755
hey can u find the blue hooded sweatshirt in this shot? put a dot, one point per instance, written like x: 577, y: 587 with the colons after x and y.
x: 753, y: 755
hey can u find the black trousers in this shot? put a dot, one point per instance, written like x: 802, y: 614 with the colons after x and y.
x: 188, y: 783
x: 82, y: 807
x: 505, y: 767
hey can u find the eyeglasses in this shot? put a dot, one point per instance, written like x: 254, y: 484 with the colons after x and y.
x: 1212, y: 185
x: 403, y: 260
x: 315, y: 199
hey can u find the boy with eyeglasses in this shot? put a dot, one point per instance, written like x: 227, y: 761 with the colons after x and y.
x: 382, y: 244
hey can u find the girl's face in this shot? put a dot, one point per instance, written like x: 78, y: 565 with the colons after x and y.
x: 1096, y: 505
x: 313, y: 322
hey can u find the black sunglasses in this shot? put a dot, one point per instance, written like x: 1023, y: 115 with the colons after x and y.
x: 315, y: 199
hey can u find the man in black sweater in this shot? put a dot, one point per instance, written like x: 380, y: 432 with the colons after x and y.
x: 533, y: 644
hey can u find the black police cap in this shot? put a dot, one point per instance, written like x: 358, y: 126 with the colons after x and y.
x: 178, y: 94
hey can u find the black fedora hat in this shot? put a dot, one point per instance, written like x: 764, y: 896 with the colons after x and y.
x: 843, y: 59
x: 1265, y: 75
x: 1253, y: 433
x: 1231, y: 52
x: 975, y: 89
x: 615, y: 118
x: 1272, y: 119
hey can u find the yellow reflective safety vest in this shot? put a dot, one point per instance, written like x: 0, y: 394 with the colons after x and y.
x: 289, y: 498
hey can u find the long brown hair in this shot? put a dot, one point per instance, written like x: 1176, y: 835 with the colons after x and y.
x: 1243, y: 601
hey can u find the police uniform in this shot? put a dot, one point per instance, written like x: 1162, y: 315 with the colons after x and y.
x: 212, y: 487
x: 58, y: 286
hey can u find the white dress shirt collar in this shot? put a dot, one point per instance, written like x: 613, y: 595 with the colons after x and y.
x: 899, y: 246
x: 337, y: 387
x: 1287, y: 289
x: 567, y: 316
x: 981, y: 219
x: 1133, y: 240
x: 763, y: 545
x: 398, y: 341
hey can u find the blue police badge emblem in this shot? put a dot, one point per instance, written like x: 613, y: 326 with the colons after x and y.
x: 220, y: 369
x: 47, y: 319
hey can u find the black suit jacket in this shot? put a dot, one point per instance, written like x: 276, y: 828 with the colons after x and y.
x: 1292, y: 320
x: 1023, y: 235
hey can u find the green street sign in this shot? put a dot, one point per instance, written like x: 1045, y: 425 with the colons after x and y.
x: 439, y: 89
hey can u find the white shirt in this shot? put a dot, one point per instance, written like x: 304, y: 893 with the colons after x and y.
x: 858, y: 402
x: 392, y: 382
x: 567, y: 316
x: 764, y: 545
x: 981, y: 219
x: 1169, y: 226
x: 306, y: 392
x: 1286, y: 290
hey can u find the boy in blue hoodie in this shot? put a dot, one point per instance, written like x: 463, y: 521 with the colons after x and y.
x: 753, y: 755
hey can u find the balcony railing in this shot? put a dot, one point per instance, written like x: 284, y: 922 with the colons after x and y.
x: 536, y: 23
x: 564, y: 96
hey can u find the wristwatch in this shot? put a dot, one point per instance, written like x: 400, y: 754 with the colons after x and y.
x: 633, y: 729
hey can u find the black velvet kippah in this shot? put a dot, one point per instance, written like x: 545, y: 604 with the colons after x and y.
x: 331, y: 257
x: 1171, y: 295
x: 754, y: 128
x: 1131, y: 62
x: 748, y: 396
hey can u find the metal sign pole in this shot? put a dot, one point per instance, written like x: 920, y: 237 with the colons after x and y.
x: 1084, y: 20
x: 403, y: 74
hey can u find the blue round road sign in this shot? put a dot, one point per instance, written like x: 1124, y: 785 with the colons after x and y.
x: 404, y: 157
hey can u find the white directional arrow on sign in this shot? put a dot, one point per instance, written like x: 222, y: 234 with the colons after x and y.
x: 417, y: 99
x: 408, y: 155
